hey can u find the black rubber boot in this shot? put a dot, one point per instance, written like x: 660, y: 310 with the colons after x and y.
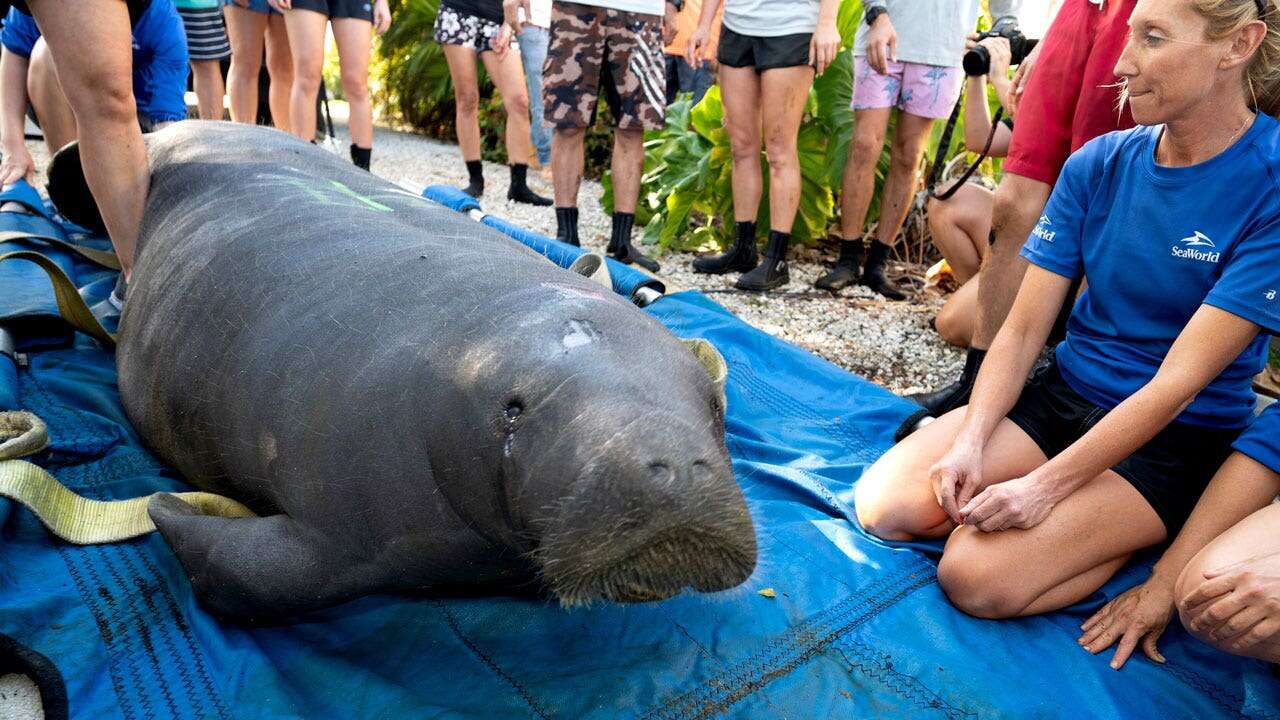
x: 845, y: 272
x: 873, y: 274
x: 620, y: 246
x: 942, y: 401
x: 361, y: 156
x: 567, y: 225
x: 519, y: 189
x: 475, y: 169
x: 772, y: 272
x: 742, y: 257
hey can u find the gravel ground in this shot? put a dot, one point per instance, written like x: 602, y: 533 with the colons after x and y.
x: 893, y: 344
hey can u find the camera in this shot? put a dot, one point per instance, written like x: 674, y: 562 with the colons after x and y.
x: 977, y: 61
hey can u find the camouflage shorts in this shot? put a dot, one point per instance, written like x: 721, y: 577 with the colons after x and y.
x: 592, y: 47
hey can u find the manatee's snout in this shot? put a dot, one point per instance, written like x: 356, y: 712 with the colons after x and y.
x: 645, y: 522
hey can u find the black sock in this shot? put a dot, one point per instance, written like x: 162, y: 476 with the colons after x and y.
x: 876, y: 256
x: 361, y: 156
x: 850, y: 253
x: 567, y: 225
x: 519, y: 176
x: 475, y: 169
x: 777, y: 247
x: 744, y: 234
x: 622, y: 224
x: 519, y: 189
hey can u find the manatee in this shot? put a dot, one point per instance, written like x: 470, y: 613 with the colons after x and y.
x: 409, y: 401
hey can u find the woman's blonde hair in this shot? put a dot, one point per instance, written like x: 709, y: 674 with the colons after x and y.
x: 1262, y: 76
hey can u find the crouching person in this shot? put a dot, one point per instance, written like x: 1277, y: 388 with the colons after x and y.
x: 1222, y: 573
x: 1044, y: 491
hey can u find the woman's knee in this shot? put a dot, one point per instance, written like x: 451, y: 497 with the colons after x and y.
x: 890, y: 505
x: 517, y: 105
x: 467, y: 100
x: 355, y: 85
x: 976, y: 584
x: 952, y: 326
x: 781, y: 152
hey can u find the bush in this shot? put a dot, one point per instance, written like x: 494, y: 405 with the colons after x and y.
x: 412, y: 86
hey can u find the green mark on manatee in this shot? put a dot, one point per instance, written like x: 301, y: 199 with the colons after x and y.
x: 352, y: 193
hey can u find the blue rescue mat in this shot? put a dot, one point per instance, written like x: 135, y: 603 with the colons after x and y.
x: 833, y: 623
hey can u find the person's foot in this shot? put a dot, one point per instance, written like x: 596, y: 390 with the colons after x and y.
x: 770, y: 274
x: 475, y: 189
x: 475, y: 174
x: 527, y: 196
x: 739, y: 258
x: 840, y: 277
x: 875, y: 279
x: 629, y: 254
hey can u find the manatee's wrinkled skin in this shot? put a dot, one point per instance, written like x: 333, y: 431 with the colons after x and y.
x: 411, y: 401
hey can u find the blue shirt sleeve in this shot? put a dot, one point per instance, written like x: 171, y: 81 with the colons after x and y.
x: 20, y: 33
x: 161, y: 63
x: 1055, y: 243
x: 1249, y: 286
x: 1261, y: 440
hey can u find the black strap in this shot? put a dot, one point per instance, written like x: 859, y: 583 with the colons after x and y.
x: 935, y: 175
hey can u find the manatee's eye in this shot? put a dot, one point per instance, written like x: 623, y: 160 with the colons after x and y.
x: 515, y: 408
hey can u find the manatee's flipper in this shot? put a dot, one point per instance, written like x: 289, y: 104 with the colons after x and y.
x: 257, y: 569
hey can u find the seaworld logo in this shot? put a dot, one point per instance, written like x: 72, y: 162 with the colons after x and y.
x: 1042, y: 230
x: 1197, y: 240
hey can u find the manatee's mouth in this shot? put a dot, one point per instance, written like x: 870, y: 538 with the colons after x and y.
x: 658, y: 568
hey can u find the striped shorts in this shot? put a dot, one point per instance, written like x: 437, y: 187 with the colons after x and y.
x: 206, y: 35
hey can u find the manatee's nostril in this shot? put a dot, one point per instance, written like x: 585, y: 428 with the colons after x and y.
x: 660, y: 472
x: 514, y: 409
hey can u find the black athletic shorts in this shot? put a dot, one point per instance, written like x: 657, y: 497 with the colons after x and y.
x: 763, y: 53
x: 1171, y: 471
x: 358, y: 9
x: 136, y: 8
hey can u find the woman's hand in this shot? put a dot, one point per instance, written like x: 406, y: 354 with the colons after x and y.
x: 956, y: 478
x: 381, y: 16
x: 998, y: 73
x: 17, y: 164
x: 279, y: 5
x: 1139, y: 615
x: 511, y: 10
x: 501, y: 42
x: 1019, y: 503
x: 882, y: 44
x: 696, y: 46
x: 1238, y: 606
x: 824, y: 46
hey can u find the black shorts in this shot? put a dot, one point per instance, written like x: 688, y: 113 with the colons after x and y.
x: 763, y: 53
x: 358, y: 9
x: 1171, y: 470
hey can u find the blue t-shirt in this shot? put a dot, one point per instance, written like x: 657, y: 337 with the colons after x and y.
x: 159, y: 57
x: 1155, y: 244
x: 1261, y: 441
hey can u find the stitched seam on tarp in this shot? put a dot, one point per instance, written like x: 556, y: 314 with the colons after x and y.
x: 524, y: 694
x: 878, y: 665
x: 1229, y: 701
x: 104, y: 628
x: 139, y: 629
x: 796, y: 647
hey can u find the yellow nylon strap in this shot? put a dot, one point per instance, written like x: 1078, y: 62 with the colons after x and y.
x: 70, y: 305
x: 71, y: 517
x: 105, y: 258
x: 712, y: 361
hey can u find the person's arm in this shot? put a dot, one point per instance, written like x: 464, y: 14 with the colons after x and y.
x: 162, y: 36
x: 825, y: 43
x: 977, y: 116
x: 17, y: 163
x: 511, y: 13
x: 1141, y: 614
x: 1206, y: 346
x: 701, y: 36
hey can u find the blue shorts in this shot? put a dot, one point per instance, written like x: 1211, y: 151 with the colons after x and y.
x: 258, y: 6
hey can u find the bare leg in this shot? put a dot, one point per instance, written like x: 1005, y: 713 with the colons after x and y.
x: 306, y: 43
x: 466, y: 98
x: 280, y: 69
x: 961, y: 227
x: 566, y: 165
x: 1084, y: 540
x: 57, y: 122
x: 1019, y: 201
x: 508, y: 77
x: 207, y: 77
x: 740, y: 94
x: 92, y: 42
x: 904, y: 170
x: 353, y: 38
x: 628, y: 164
x: 955, y: 320
x: 859, y: 180
x: 783, y: 92
x: 244, y: 31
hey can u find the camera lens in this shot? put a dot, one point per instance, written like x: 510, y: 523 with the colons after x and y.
x: 977, y: 61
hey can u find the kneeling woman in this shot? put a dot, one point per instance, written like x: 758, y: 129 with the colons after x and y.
x: 1043, y: 492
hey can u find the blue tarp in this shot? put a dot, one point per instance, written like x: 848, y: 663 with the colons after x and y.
x: 857, y: 628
